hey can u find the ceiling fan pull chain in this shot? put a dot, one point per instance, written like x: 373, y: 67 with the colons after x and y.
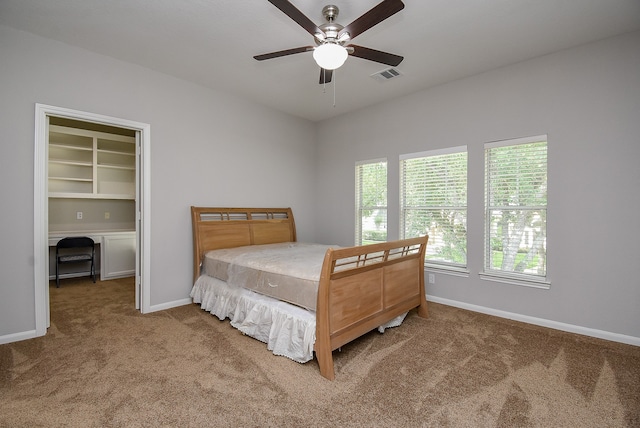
x: 334, y: 87
x: 324, y: 81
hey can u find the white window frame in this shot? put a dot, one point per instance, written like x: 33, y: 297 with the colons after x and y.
x: 359, y: 208
x: 518, y: 278
x: 436, y: 265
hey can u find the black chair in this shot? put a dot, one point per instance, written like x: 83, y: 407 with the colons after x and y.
x: 67, y: 251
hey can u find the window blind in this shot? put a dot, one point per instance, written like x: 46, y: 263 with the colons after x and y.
x: 434, y: 201
x: 516, y: 208
x: 371, y: 201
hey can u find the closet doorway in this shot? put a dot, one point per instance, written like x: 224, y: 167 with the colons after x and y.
x: 101, y: 165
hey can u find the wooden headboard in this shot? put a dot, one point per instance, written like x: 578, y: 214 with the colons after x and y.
x: 216, y: 228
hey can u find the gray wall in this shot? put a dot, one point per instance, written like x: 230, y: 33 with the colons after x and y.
x: 588, y: 102
x: 62, y: 215
x: 207, y: 148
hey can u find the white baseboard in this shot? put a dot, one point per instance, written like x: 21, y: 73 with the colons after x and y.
x: 600, y: 334
x: 169, y: 305
x: 17, y: 337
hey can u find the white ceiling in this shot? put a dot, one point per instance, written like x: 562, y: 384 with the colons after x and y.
x: 212, y: 42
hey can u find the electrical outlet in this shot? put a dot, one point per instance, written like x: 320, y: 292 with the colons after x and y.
x: 432, y: 278
x: 107, y: 215
x: 79, y: 215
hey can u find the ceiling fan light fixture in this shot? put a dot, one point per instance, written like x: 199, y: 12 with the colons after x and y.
x: 330, y: 55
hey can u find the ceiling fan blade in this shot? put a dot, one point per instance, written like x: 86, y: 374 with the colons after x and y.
x: 283, y: 53
x: 325, y: 75
x: 375, y: 16
x: 375, y: 55
x: 300, y: 18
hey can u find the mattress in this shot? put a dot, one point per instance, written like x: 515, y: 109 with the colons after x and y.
x: 288, y: 271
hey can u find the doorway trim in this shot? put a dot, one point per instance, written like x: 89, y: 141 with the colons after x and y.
x: 41, y: 206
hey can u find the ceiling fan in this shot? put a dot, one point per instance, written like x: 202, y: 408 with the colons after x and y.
x: 333, y: 41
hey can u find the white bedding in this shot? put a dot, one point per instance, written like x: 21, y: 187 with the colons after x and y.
x: 288, y: 330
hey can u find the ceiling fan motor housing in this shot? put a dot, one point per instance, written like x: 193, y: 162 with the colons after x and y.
x: 331, y: 28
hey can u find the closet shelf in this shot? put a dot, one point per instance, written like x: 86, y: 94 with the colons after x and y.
x: 70, y: 162
x: 91, y: 164
x: 116, y: 152
x: 75, y: 195
x: 70, y: 147
x: 86, y: 180
x: 114, y: 166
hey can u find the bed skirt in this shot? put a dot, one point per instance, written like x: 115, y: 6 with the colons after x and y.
x: 288, y: 330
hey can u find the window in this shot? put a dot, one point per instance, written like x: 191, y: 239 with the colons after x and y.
x: 371, y: 201
x: 433, y: 201
x: 516, y: 209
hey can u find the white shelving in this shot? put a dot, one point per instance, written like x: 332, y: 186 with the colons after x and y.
x: 91, y: 164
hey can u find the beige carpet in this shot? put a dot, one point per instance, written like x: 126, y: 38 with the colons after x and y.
x: 102, y: 364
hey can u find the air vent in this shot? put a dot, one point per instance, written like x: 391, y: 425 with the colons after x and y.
x: 384, y: 75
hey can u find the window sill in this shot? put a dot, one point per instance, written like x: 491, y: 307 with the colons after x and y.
x: 449, y: 270
x: 534, y: 283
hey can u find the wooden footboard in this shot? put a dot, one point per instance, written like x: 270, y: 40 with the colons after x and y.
x: 364, y: 287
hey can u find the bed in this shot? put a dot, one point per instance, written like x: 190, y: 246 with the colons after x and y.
x: 358, y: 289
